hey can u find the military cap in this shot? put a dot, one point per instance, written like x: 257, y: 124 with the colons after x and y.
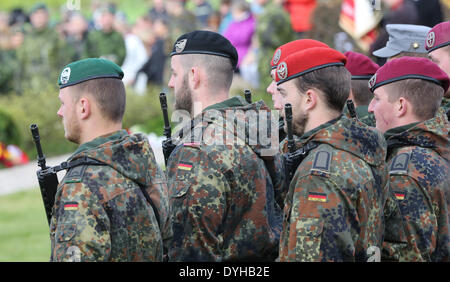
x: 360, y: 66
x: 291, y: 47
x: 439, y: 36
x: 409, y: 68
x: 403, y: 38
x: 87, y: 69
x: 308, y: 60
x: 38, y: 6
x: 205, y: 42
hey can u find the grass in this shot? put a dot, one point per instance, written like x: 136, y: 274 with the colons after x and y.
x: 24, y: 233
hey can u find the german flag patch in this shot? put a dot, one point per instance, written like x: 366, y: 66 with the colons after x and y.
x: 185, y: 166
x: 317, y: 197
x: 71, y: 206
x: 399, y: 195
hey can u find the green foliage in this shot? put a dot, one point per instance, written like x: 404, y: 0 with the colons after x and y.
x: 9, y: 132
x: 24, y: 234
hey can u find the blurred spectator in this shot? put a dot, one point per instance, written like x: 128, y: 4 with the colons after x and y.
x: 137, y: 54
x: 42, y: 53
x: 180, y: 21
x: 227, y: 17
x: 106, y: 43
x: 214, y: 21
x: 241, y: 29
x: 400, y: 12
x: 158, y: 10
x: 155, y: 65
x: 273, y: 30
x: 76, y: 37
x: 430, y: 12
x: 202, y: 11
x: 18, y: 18
x: 301, y: 12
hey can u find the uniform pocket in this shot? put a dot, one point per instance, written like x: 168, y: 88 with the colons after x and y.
x: 309, y: 231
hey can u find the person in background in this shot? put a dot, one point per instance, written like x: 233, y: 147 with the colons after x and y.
x: 106, y: 42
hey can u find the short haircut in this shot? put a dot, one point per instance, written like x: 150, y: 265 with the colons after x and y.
x: 108, y: 93
x: 424, y: 96
x: 409, y: 54
x: 333, y: 82
x: 219, y: 69
x: 361, y: 92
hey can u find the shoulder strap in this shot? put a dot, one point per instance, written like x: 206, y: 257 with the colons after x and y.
x: 322, y: 162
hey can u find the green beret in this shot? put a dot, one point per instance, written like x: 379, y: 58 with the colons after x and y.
x: 87, y: 69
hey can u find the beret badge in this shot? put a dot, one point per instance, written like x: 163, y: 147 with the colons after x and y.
x: 65, y: 75
x: 180, y: 45
x: 282, y: 71
x: 431, y: 38
x: 373, y: 81
x: 276, y: 57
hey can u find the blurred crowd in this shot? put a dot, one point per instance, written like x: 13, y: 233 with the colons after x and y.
x: 33, y: 48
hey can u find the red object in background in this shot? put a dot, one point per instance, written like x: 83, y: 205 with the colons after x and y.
x: 11, y: 155
x: 301, y: 12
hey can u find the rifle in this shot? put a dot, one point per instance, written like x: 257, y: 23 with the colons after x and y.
x: 167, y: 145
x: 248, y: 96
x: 293, y: 157
x: 47, y: 178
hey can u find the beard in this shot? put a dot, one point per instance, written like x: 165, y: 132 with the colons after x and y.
x: 183, y: 98
x: 299, y: 122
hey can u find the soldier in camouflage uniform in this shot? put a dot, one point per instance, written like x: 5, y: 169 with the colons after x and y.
x: 42, y: 53
x: 417, y: 135
x: 362, y: 69
x: 114, y: 208
x: 106, y: 43
x: 273, y: 29
x: 220, y: 176
x: 438, y: 47
x: 334, y: 207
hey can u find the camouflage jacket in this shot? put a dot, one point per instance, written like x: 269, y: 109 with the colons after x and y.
x: 110, y: 46
x: 418, y: 156
x: 364, y: 115
x: 445, y: 106
x: 100, y: 211
x: 221, y: 190
x: 334, y: 208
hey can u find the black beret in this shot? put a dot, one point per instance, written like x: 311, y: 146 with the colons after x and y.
x: 205, y: 42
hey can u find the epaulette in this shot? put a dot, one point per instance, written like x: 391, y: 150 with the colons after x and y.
x: 400, y: 164
x: 75, y: 174
x: 322, y: 162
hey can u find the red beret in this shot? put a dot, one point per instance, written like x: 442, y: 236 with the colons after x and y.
x: 360, y: 66
x: 409, y: 68
x: 306, y: 61
x: 438, y: 36
x: 291, y: 47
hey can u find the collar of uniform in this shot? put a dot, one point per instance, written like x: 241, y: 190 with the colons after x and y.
x: 362, y: 111
x: 310, y: 133
x: 397, y: 130
x: 445, y: 102
x: 236, y: 101
x: 100, y: 140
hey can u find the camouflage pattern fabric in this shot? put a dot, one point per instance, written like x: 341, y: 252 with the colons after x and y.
x: 100, y: 212
x: 419, y: 176
x: 40, y: 58
x: 334, y: 207
x: 273, y: 30
x: 222, y: 196
x: 110, y: 46
x: 364, y: 116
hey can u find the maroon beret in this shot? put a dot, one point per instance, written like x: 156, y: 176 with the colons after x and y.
x: 306, y: 61
x: 438, y: 36
x: 360, y: 66
x: 409, y: 68
x: 291, y: 47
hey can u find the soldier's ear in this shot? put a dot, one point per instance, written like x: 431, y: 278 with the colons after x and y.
x: 84, y: 108
x: 194, y: 77
x: 402, y: 107
x: 311, y: 99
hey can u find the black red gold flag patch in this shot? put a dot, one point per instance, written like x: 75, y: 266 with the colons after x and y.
x: 185, y: 166
x: 71, y: 206
x: 399, y: 195
x: 317, y: 197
